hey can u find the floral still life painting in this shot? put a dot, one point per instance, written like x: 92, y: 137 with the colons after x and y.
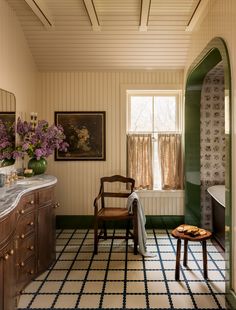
x: 85, y: 135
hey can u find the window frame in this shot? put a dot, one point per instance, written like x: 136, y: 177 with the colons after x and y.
x: 177, y: 93
x: 156, y: 93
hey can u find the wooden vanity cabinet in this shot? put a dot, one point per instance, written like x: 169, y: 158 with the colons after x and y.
x: 7, y: 263
x: 8, y: 278
x: 27, y: 243
x: 25, y: 239
x: 46, y: 229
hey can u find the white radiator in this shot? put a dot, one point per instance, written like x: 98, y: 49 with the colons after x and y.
x: 162, y: 202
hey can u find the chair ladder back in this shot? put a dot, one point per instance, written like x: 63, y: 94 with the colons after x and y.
x: 118, y: 178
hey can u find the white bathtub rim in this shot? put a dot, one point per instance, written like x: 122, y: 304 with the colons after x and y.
x: 218, y: 193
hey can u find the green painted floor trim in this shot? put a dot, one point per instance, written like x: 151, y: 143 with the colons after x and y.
x: 86, y: 221
x: 74, y: 221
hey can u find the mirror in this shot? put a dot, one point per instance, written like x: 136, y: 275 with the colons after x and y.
x: 7, y: 117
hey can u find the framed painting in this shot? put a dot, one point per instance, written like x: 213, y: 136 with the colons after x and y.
x: 85, y: 133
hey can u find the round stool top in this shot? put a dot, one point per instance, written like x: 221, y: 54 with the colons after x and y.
x: 183, y: 235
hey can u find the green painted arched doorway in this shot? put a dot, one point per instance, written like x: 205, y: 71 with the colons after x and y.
x: 214, y: 52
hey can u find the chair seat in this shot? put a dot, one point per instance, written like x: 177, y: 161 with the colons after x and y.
x: 110, y: 213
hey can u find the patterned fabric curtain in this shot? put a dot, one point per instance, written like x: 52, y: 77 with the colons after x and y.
x: 140, y: 160
x: 170, y: 157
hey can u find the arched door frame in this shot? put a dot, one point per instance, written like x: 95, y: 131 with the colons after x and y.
x: 213, y: 53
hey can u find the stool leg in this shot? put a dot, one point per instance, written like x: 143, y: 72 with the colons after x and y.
x: 204, y: 252
x: 185, y: 252
x: 177, y: 260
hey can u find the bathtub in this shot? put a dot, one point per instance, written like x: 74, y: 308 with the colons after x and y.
x: 217, y: 193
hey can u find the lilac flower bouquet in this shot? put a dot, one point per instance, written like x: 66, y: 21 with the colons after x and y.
x: 40, y: 141
x: 7, y: 140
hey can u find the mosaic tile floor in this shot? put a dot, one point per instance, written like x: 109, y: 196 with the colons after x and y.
x: 118, y: 279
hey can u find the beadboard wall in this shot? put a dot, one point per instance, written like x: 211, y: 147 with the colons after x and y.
x: 220, y: 22
x: 78, y: 181
x: 18, y: 71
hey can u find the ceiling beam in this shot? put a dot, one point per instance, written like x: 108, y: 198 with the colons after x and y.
x: 40, y: 10
x: 198, y: 15
x: 89, y: 5
x: 144, y: 15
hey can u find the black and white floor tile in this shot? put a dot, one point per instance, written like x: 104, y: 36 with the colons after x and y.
x: 115, y: 278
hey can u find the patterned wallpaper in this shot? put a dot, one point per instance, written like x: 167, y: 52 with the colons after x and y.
x: 212, y: 135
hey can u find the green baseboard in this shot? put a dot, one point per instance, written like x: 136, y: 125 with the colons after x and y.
x: 86, y: 221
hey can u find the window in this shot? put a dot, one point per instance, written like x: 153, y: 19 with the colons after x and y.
x: 154, y: 112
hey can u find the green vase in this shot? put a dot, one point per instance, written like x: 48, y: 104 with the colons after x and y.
x: 7, y: 162
x: 38, y: 166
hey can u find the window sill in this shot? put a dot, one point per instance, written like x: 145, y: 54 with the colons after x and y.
x: 160, y: 192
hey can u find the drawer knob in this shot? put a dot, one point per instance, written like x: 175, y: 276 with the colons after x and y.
x: 56, y: 205
x: 31, y: 248
x: 31, y: 223
x: 22, y: 264
x: 22, y: 236
x: 6, y: 256
x: 32, y: 202
x: 22, y: 211
x: 11, y: 252
x: 31, y: 272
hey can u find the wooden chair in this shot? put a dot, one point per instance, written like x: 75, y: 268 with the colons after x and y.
x: 102, y: 213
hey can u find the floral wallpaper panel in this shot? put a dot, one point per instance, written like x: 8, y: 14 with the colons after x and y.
x: 212, y: 137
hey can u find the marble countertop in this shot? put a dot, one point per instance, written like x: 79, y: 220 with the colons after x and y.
x: 11, y: 194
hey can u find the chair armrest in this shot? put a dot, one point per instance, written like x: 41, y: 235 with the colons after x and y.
x: 95, y: 204
x: 96, y: 200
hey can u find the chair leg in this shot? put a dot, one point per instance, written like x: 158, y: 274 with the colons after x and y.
x: 104, y: 230
x: 95, y: 251
x: 127, y: 230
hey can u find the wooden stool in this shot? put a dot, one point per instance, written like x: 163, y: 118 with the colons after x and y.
x: 179, y: 236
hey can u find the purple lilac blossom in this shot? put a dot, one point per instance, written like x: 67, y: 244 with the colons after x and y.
x: 41, y: 141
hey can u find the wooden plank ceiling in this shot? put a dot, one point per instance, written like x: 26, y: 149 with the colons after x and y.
x: 116, y: 34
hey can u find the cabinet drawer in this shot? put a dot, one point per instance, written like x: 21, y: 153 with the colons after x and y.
x: 26, y: 248
x: 7, y: 225
x: 26, y: 273
x: 27, y: 204
x: 8, y: 251
x: 26, y: 224
x: 46, y: 196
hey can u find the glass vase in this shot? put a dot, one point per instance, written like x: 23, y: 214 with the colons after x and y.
x: 38, y: 166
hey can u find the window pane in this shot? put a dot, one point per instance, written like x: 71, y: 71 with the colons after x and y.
x: 165, y: 113
x: 141, y: 113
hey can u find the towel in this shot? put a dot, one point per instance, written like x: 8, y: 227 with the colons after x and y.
x: 142, y: 236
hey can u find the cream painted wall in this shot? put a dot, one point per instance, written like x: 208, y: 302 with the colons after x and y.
x: 220, y: 22
x: 17, y: 68
x: 78, y: 182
